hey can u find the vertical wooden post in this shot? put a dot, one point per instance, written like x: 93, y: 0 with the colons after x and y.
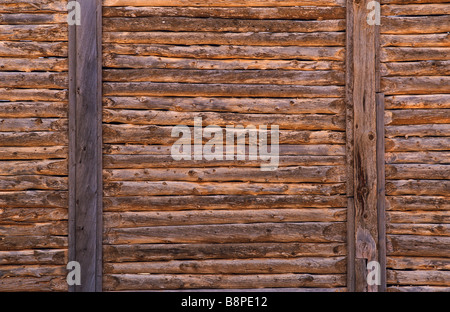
x: 85, y: 179
x: 362, y: 87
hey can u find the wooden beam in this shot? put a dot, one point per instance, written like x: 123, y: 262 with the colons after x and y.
x: 85, y: 182
x: 361, y: 93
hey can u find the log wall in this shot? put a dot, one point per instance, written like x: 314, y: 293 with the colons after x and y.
x: 224, y: 224
x: 415, y: 69
x: 33, y: 145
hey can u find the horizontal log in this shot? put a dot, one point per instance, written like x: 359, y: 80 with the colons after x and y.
x: 23, y: 153
x: 278, y: 77
x: 284, y: 150
x: 232, y: 105
x: 44, y: 138
x: 228, y: 52
x: 417, y: 171
x: 38, y: 64
x: 415, y: 85
x: 440, y: 230
x: 418, y: 289
x: 177, y: 203
x: 37, y: 284
x: 32, y: 109
x: 161, y: 218
x: 34, y: 80
x: 418, y: 187
x: 41, y: 32
x: 167, y: 161
x: 427, y: 40
x: 408, y: 54
x: 40, y: 257
x: 33, y: 124
x: 11, y: 242
x: 429, y: 278
x: 422, y: 68
x: 147, y: 188
x: 424, y: 130
x: 302, y: 13
x: 417, y: 157
x: 31, y: 215
x: 253, y: 266
x: 117, y: 282
x: 163, y: 252
x: 415, y: 24
x: 28, y: 6
x: 416, y: 245
x: 209, y: 37
x: 418, y: 263
x: 27, y: 182
x: 417, y: 144
x: 33, y: 49
x: 415, y: 9
x: 12, y: 271
x: 27, y: 19
x: 417, y: 116
x: 137, y: 61
x: 34, y: 199
x: 404, y: 203
x: 418, y: 101
x: 169, y: 118
x: 416, y: 217
x: 222, y: 90
x: 7, y: 94
x: 142, y: 134
x: 51, y: 228
x: 44, y: 167
x: 313, y: 174
x: 221, y: 3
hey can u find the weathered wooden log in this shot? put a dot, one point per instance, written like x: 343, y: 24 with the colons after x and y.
x: 415, y: 85
x: 232, y: 202
x: 38, y: 64
x: 33, y: 124
x: 433, y: 128
x: 34, y: 199
x: 23, y: 242
x: 416, y: 203
x: 427, y: 40
x: 418, y: 101
x: 418, y: 289
x: 33, y: 49
x: 415, y: 217
x: 417, y: 245
x: 249, y: 38
x: 23, y: 153
x: 422, y: 68
x: 29, y: 215
x: 51, y: 228
x: 222, y: 3
x: 51, y: 33
x: 228, y: 52
x: 33, y: 109
x: 283, y: 13
x: 7, y: 94
x: 253, y: 266
x: 142, y: 282
x: 415, y: 24
x: 405, y: 54
x: 417, y: 116
x: 415, y: 9
x: 40, y: 257
x: 417, y: 157
x: 34, y: 80
x: 418, y: 263
x: 38, y: 284
x: 29, y: 6
x: 296, y: 122
x: 137, y: 61
x: 417, y: 144
x: 44, y: 138
x: 27, y: 182
x: 32, y: 167
x: 12, y: 271
x: 418, y: 187
x: 441, y: 230
x: 426, y: 277
x: 313, y: 174
x: 279, y: 77
x: 417, y: 171
x: 164, y: 252
x: 27, y: 19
